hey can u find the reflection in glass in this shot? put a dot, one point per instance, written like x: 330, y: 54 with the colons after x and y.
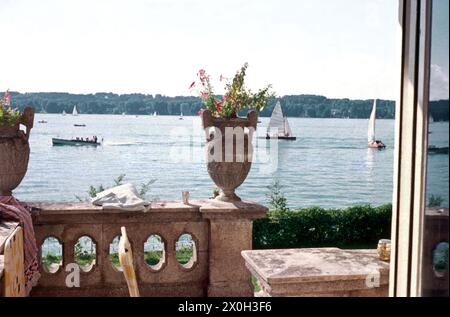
x: 435, y: 238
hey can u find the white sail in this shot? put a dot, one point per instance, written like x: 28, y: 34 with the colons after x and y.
x: 276, y: 123
x: 75, y: 111
x: 154, y: 114
x: 287, y: 128
x: 371, y: 128
x: 64, y: 112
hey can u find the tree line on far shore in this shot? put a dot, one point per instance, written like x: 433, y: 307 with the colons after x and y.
x: 306, y: 106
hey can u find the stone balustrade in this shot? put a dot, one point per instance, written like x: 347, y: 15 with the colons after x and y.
x: 220, y: 232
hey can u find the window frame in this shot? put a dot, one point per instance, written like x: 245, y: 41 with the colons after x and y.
x: 411, y: 143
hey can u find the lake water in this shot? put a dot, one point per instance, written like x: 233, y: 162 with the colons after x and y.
x: 329, y: 164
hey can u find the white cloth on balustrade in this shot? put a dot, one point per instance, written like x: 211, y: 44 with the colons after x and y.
x: 123, y: 197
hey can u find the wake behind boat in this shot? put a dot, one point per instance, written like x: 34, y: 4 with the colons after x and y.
x: 433, y: 149
x: 279, y: 126
x: 76, y: 142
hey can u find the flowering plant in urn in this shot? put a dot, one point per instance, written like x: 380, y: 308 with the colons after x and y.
x: 14, y: 147
x: 229, y: 138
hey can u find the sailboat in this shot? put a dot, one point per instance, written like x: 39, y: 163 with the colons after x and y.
x: 75, y: 111
x: 64, y: 112
x: 279, y: 126
x: 372, y: 142
x: 155, y: 114
x: 181, y: 116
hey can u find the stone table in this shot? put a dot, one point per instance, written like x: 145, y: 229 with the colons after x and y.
x: 318, y: 272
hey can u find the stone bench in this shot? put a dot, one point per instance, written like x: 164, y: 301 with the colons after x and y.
x: 318, y: 272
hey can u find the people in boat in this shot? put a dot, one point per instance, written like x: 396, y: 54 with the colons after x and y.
x: 95, y: 138
x: 376, y: 144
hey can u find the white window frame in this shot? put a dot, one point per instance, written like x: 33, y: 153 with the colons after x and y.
x: 410, y: 148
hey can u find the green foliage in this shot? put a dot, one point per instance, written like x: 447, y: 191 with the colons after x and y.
x: 440, y: 258
x: 183, y: 255
x: 8, y: 115
x: 255, y: 284
x: 435, y: 201
x: 50, y: 259
x: 119, y: 180
x: 237, y: 97
x: 94, y: 190
x: 153, y: 257
x: 354, y: 227
x: 145, y: 188
x: 114, y: 258
x: 83, y: 257
x: 276, y: 199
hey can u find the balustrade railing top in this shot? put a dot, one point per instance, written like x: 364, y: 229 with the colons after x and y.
x: 219, y: 232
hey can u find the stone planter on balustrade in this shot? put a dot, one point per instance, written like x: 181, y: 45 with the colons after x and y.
x: 229, y: 151
x: 14, y: 152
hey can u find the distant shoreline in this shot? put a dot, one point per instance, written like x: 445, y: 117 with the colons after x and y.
x: 294, y: 106
x: 187, y: 116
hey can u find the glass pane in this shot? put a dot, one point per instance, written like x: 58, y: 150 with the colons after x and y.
x: 435, y: 244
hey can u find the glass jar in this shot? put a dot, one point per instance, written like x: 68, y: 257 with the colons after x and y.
x: 384, y: 249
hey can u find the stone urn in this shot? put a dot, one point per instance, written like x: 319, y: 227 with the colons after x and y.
x: 14, y: 152
x: 229, y: 151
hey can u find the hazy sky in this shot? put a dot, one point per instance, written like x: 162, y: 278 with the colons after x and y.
x: 344, y: 48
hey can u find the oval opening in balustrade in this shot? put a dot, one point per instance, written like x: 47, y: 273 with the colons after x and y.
x: 154, y: 252
x: 114, y: 253
x: 440, y: 259
x: 85, y: 253
x: 186, y: 251
x: 51, y: 255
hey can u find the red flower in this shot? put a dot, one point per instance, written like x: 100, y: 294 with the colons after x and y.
x: 218, y: 106
x: 192, y: 85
